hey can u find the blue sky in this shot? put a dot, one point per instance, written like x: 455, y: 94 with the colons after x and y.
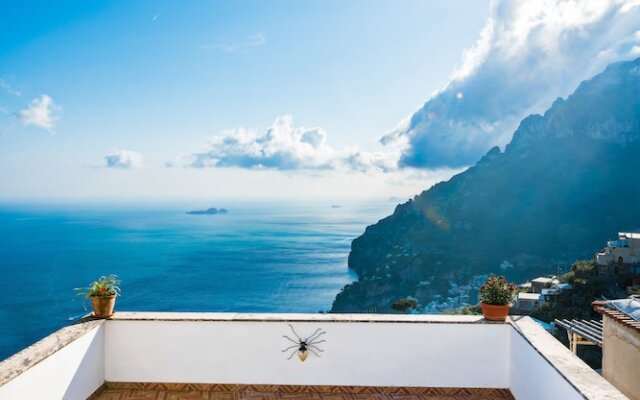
x: 266, y: 99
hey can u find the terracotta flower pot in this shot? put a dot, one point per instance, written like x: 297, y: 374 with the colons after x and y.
x: 103, y: 306
x: 494, y: 312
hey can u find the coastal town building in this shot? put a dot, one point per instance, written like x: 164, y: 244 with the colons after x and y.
x: 550, y: 294
x: 527, y: 302
x: 621, y: 344
x: 525, y: 287
x: 538, y: 284
x: 621, y: 255
x: 537, y: 292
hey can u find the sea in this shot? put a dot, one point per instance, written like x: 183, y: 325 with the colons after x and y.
x: 257, y: 258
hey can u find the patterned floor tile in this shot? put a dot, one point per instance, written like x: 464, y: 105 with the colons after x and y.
x: 179, y: 391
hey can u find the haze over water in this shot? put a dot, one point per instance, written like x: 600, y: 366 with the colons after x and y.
x: 257, y: 258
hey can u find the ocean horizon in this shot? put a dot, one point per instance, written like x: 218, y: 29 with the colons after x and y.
x: 257, y: 258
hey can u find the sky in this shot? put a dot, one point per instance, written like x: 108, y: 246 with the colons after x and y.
x: 254, y: 100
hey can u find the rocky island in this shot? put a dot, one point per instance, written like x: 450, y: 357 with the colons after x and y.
x: 208, y: 211
x: 565, y: 182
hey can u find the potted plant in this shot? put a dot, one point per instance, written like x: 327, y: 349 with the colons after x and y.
x: 102, y: 293
x: 495, y: 298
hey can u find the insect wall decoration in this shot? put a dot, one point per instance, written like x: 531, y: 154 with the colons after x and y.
x: 302, y: 346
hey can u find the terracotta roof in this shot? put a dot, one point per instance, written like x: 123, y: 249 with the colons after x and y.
x: 602, y: 307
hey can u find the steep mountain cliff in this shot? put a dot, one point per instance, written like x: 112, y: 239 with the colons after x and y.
x: 568, y: 181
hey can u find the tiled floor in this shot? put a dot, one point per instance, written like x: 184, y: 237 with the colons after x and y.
x: 128, y: 391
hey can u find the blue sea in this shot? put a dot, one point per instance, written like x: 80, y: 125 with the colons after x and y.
x: 256, y: 258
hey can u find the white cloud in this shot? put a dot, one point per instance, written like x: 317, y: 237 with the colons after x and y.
x: 9, y: 89
x: 528, y: 54
x: 124, y: 159
x: 256, y: 40
x: 283, y: 146
x: 39, y: 113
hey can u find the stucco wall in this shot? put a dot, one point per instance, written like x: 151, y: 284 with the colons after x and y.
x: 621, y: 357
x: 73, y: 372
x: 367, y: 354
x: 533, y: 378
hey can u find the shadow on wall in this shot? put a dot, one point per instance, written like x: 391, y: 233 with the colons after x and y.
x: 91, y: 366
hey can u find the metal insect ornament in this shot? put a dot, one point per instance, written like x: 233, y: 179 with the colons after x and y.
x: 302, y: 346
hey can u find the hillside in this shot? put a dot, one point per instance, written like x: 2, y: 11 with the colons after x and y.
x: 568, y: 181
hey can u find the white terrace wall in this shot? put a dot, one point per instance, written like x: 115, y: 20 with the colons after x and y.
x: 543, y: 368
x: 355, y: 353
x: 533, y: 378
x: 427, y: 351
x: 73, y: 372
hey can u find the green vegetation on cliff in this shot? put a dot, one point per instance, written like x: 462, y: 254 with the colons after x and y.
x: 587, y: 286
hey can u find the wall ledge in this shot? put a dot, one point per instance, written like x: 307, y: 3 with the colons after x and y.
x: 24, y: 360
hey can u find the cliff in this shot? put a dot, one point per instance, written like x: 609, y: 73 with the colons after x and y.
x: 568, y: 180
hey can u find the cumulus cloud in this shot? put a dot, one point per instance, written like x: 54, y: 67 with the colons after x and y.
x: 528, y: 54
x: 39, y: 113
x: 284, y: 146
x: 124, y: 159
x: 255, y: 40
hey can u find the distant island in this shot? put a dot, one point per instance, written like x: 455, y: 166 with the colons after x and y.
x: 209, y: 211
x: 336, y: 206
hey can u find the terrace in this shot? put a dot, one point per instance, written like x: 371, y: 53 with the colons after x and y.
x: 238, y: 356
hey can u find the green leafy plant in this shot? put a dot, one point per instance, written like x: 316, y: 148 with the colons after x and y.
x: 104, y: 287
x: 497, y: 291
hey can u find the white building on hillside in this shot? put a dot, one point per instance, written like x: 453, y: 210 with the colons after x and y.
x: 620, y: 256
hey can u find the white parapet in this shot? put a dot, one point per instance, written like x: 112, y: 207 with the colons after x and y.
x: 354, y: 354
x: 68, y: 364
x: 358, y: 350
